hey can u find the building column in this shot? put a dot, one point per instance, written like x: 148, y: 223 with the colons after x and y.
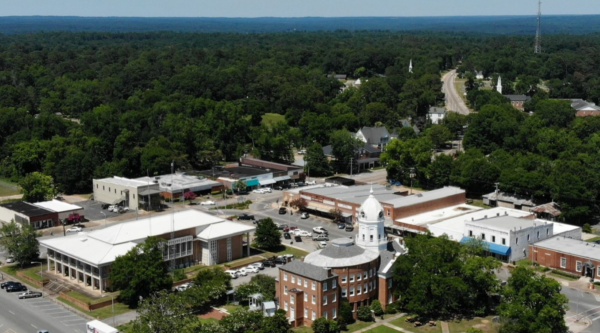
x: 47, y: 264
x: 248, y: 244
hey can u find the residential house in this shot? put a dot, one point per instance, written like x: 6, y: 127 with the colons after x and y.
x: 518, y: 101
x: 375, y: 136
x: 436, y: 115
x: 584, y: 108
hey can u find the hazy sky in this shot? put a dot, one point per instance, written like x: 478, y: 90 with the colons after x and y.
x: 295, y: 8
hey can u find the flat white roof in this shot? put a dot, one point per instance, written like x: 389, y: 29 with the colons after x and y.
x: 123, y: 181
x: 180, y: 182
x: 224, y: 229
x: 571, y: 246
x: 439, y: 215
x: 57, y: 206
x: 559, y: 228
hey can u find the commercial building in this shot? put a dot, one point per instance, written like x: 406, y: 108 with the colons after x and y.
x: 502, y: 199
x: 66, y: 212
x: 358, y: 270
x: 26, y: 213
x: 569, y: 255
x: 190, y: 237
x: 175, y: 185
x: 347, y: 200
x: 127, y: 192
x: 584, y: 108
x: 256, y: 173
x: 518, y: 101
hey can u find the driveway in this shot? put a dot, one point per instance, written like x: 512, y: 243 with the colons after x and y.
x: 270, y: 271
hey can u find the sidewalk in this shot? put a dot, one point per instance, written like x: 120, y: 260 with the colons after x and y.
x: 383, y: 322
x: 121, y: 319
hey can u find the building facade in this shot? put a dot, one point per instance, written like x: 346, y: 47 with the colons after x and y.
x: 29, y: 214
x: 126, y: 192
x: 570, y: 255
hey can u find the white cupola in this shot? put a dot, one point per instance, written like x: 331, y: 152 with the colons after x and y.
x: 371, y: 235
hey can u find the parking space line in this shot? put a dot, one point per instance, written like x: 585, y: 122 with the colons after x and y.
x: 65, y: 316
x: 72, y: 320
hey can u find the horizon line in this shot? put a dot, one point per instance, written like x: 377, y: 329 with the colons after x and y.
x: 287, y: 17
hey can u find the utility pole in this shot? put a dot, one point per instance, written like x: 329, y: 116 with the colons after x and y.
x: 351, y: 158
x: 412, y: 175
x: 538, y: 33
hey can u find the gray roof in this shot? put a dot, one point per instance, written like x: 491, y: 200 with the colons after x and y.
x: 341, y: 253
x: 579, y: 104
x: 518, y: 98
x: 406, y: 123
x: 26, y: 208
x: 410, y: 200
x: 436, y: 110
x: 386, y: 256
x: 269, y: 305
x: 514, y: 198
x: 571, y: 246
x: 506, y: 223
x: 307, y: 270
x: 374, y: 134
x: 342, y: 248
x: 328, y: 150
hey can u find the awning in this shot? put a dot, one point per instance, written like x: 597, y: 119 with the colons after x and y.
x: 278, y: 179
x: 148, y: 192
x: 252, y: 182
x: 493, y: 247
x: 266, y: 181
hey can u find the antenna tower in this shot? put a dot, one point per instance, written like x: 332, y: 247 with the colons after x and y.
x: 538, y: 34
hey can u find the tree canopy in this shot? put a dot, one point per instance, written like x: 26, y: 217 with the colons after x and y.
x: 20, y: 241
x: 267, y: 235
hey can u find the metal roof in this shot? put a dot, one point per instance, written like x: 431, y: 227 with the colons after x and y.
x: 507, y: 223
x: 341, y: 253
x: 26, y: 208
x: 307, y: 270
x: 571, y: 246
x: 123, y: 181
x: 57, y: 206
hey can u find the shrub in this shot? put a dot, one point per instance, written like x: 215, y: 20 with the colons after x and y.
x: 565, y: 274
x: 346, y: 312
x: 216, y: 192
x: 392, y: 308
x: 179, y: 274
x: 376, y: 307
x: 364, y: 313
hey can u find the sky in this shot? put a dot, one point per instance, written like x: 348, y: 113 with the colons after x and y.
x: 295, y: 8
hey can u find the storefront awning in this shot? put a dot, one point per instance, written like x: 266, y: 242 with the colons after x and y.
x: 266, y: 181
x: 278, y: 179
x: 493, y: 247
x: 252, y: 182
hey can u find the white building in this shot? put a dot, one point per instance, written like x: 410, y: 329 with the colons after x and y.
x: 178, y: 183
x: 63, y: 209
x: 127, y: 192
x: 371, y: 234
x: 436, y: 115
x: 499, y: 85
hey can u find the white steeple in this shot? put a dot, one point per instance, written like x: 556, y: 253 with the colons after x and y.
x: 499, y: 85
x: 371, y: 235
x: 410, y: 67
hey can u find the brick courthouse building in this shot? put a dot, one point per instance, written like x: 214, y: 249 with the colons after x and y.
x: 570, y: 255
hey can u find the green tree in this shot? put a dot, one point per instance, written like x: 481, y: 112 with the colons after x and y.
x: 267, y: 235
x: 141, y: 272
x: 344, y: 147
x: 36, y: 187
x: 346, y: 317
x: 278, y: 323
x: 376, y: 307
x: 322, y: 325
x: 587, y: 228
x: 163, y: 312
x: 454, y: 122
x: 439, y: 135
x: 439, y: 171
x: 242, y: 321
x: 317, y: 164
x: 555, y: 113
x: 364, y: 313
x: 240, y: 186
x: 20, y: 241
x: 532, y: 303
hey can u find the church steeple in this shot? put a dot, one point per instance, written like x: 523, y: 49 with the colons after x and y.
x: 410, y: 66
x: 499, y: 85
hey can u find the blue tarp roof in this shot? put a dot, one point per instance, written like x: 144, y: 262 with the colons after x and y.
x: 493, y: 247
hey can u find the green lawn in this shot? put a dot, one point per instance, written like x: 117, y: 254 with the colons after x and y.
x: 243, y: 262
x: 400, y: 322
x: 302, y: 329
x: 593, y: 239
x: 382, y: 329
x: 7, y: 188
x: 270, y: 119
x: 563, y: 277
x: 32, y: 271
x: 208, y: 320
x: 89, y: 300
x: 101, y: 313
x: 359, y: 325
x: 126, y: 328
x: 484, y: 324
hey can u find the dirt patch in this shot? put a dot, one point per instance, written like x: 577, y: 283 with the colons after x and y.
x: 213, y: 313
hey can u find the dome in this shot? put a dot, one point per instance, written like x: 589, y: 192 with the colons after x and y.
x: 341, y: 252
x: 371, y: 210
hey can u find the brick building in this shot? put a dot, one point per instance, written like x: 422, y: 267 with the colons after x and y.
x: 518, y: 101
x: 358, y: 270
x: 569, y: 255
x: 29, y: 214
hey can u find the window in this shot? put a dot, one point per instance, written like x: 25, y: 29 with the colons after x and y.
x: 305, y: 283
x: 493, y: 239
x: 389, y: 210
x: 503, y: 241
x: 365, y: 275
x: 300, y: 282
x: 344, y: 278
x: 96, y: 185
x: 334, y: 298
x: 547, y: 232
x: 293, y: 279
x: 292, y: 299
x: 344, y: 292
x: 314, y: 299
x: 358, y: 290
x: 483, y: 236
x: 305, y: 297
x: 325, y: 286
x: 363, y: 237
x: 358, y: 277
x: 470, y: 233
x: 325, y: 300
x: 285, y: 290
x: 365, y: 287
x: 109, y: 189
x: 333, y: 284
x: 314, y: 315
x: 517, y: 240
x: 314, y: 285
x: 134, y: 195
x: 528, y: 238
x: 371, y: 237
x: 284, y: 276
x: 371, y: 272
x: 538, y: 234
x: 351, y: 277
x: 598, y: 273
x: 305, y: 312
x: 285, y: 305
x: 390, y: 283
x: 325, y: 314
x: 351, y: 291
x: 103, y: 188
x: 578, y: 266
x: 563, y: 262
x: 334, y: 311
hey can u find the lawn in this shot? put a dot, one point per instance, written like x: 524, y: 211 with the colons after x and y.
x: 7, y: 188
x: 101, y: 313
x: 359, y: 325
x: 32, y: 271
x: 270, y: 119
x: 400, y: 322
x: 382, y: 329
x: 290, y: 250
x: 243, y: 262
x: 593, y: 239
x: 208, y: 320
x: 302, y: 329
x: 563, y: 277
x: 484, y: 324
x: 89, y: 300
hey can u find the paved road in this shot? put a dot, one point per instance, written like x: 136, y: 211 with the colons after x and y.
x: 30, y: 315
x: 454, y: 102
x: 583, y: 304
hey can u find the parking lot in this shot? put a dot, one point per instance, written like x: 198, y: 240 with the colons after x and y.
x: 93, y: 210
x: 270, y: 271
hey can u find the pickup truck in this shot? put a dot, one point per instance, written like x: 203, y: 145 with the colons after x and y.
x: 246, y: 217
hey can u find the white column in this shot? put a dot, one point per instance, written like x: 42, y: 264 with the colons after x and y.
x: 48, y: 264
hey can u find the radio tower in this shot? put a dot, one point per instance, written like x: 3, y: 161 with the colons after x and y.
x: 538, y: 34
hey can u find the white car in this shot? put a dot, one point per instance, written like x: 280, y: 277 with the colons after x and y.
x: 319, y: 230
x: 10, y: 260
x: 311, y: 182
x: 304, y: 233
x: 259, y: 191
x: 251, y: 269
x: 242, y: 272
x: 233, y: 274
x: 322, y: 244
x: 302, y: 152
x: 113, y: 208
x: 75, y: 229
x: 208, y: 203
x: 258, y: 265
x: 266, y: 190
x: 184, y: 286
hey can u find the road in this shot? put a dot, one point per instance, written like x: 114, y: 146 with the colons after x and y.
x: 30, y: 315
x: 454, y: 101
x: 583, y: 304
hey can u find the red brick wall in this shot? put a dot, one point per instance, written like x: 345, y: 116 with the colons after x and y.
x: 363, y: 297
x: 587, y: 113
x: 51, y: 216
x: 552, y: 259
x: 237, y: 247
x: 222, y: 246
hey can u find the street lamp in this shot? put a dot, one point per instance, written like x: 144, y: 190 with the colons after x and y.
x: 412, y: 175
x: 41, y: 276
x: 103, y: 213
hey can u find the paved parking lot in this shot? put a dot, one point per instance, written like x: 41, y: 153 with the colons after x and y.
x: 93, y: 210
x: 270, y: 271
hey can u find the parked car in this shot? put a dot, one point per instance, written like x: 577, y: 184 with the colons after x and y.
x: 251, y: 269
x: 282, y: 226
x: 259, y: 191
x: 184, y: 286
x: 10, y: 260
x: 105, y: 206
x: 311, y: 182
x: 287, y: 255
x: 6, y: 283
x: 258, y: 265
x: 290, y: 229
x: 246, y: 217
x: 242, y: 192
x: 242, y: 272
x: 208, y: 203
x: 43, y: 331
x: 322, y: 244
x: 342, y: 226
x: 123, y: 209
x: 280, y: 261
x: 286, y: 235
x: 268, y: 263
x: 349, y: 227
x: 17, y: 286
x: 282, y: 210
x: 266, y: 190
x: 278, y: 188
x: 233, y: 274
x: 320, y: 230
x: 304, y: 233
x: 75, y: 229
x: 321, y: 237
x: 304, y: 215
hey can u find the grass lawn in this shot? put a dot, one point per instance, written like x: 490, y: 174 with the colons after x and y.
x: 126, y: 328
x: 382, y: 329
x: 193, y: 269
x: 89, y: 300
x: 231, y: 307
x: 208, y: 320
x: 562, y: 277
x: 302, y: 329
x: 593, y: 239
x: 7, y: 188
x: 524, y: 262
x: 243, y: 262
x: 102, y: 313
x: 271, y: 119
x: 359, y: 325
x: 400, y: 322
x: 484, y: 324
x: 32, y: 271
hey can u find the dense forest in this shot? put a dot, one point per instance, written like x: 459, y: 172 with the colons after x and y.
x: 81, y: 105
